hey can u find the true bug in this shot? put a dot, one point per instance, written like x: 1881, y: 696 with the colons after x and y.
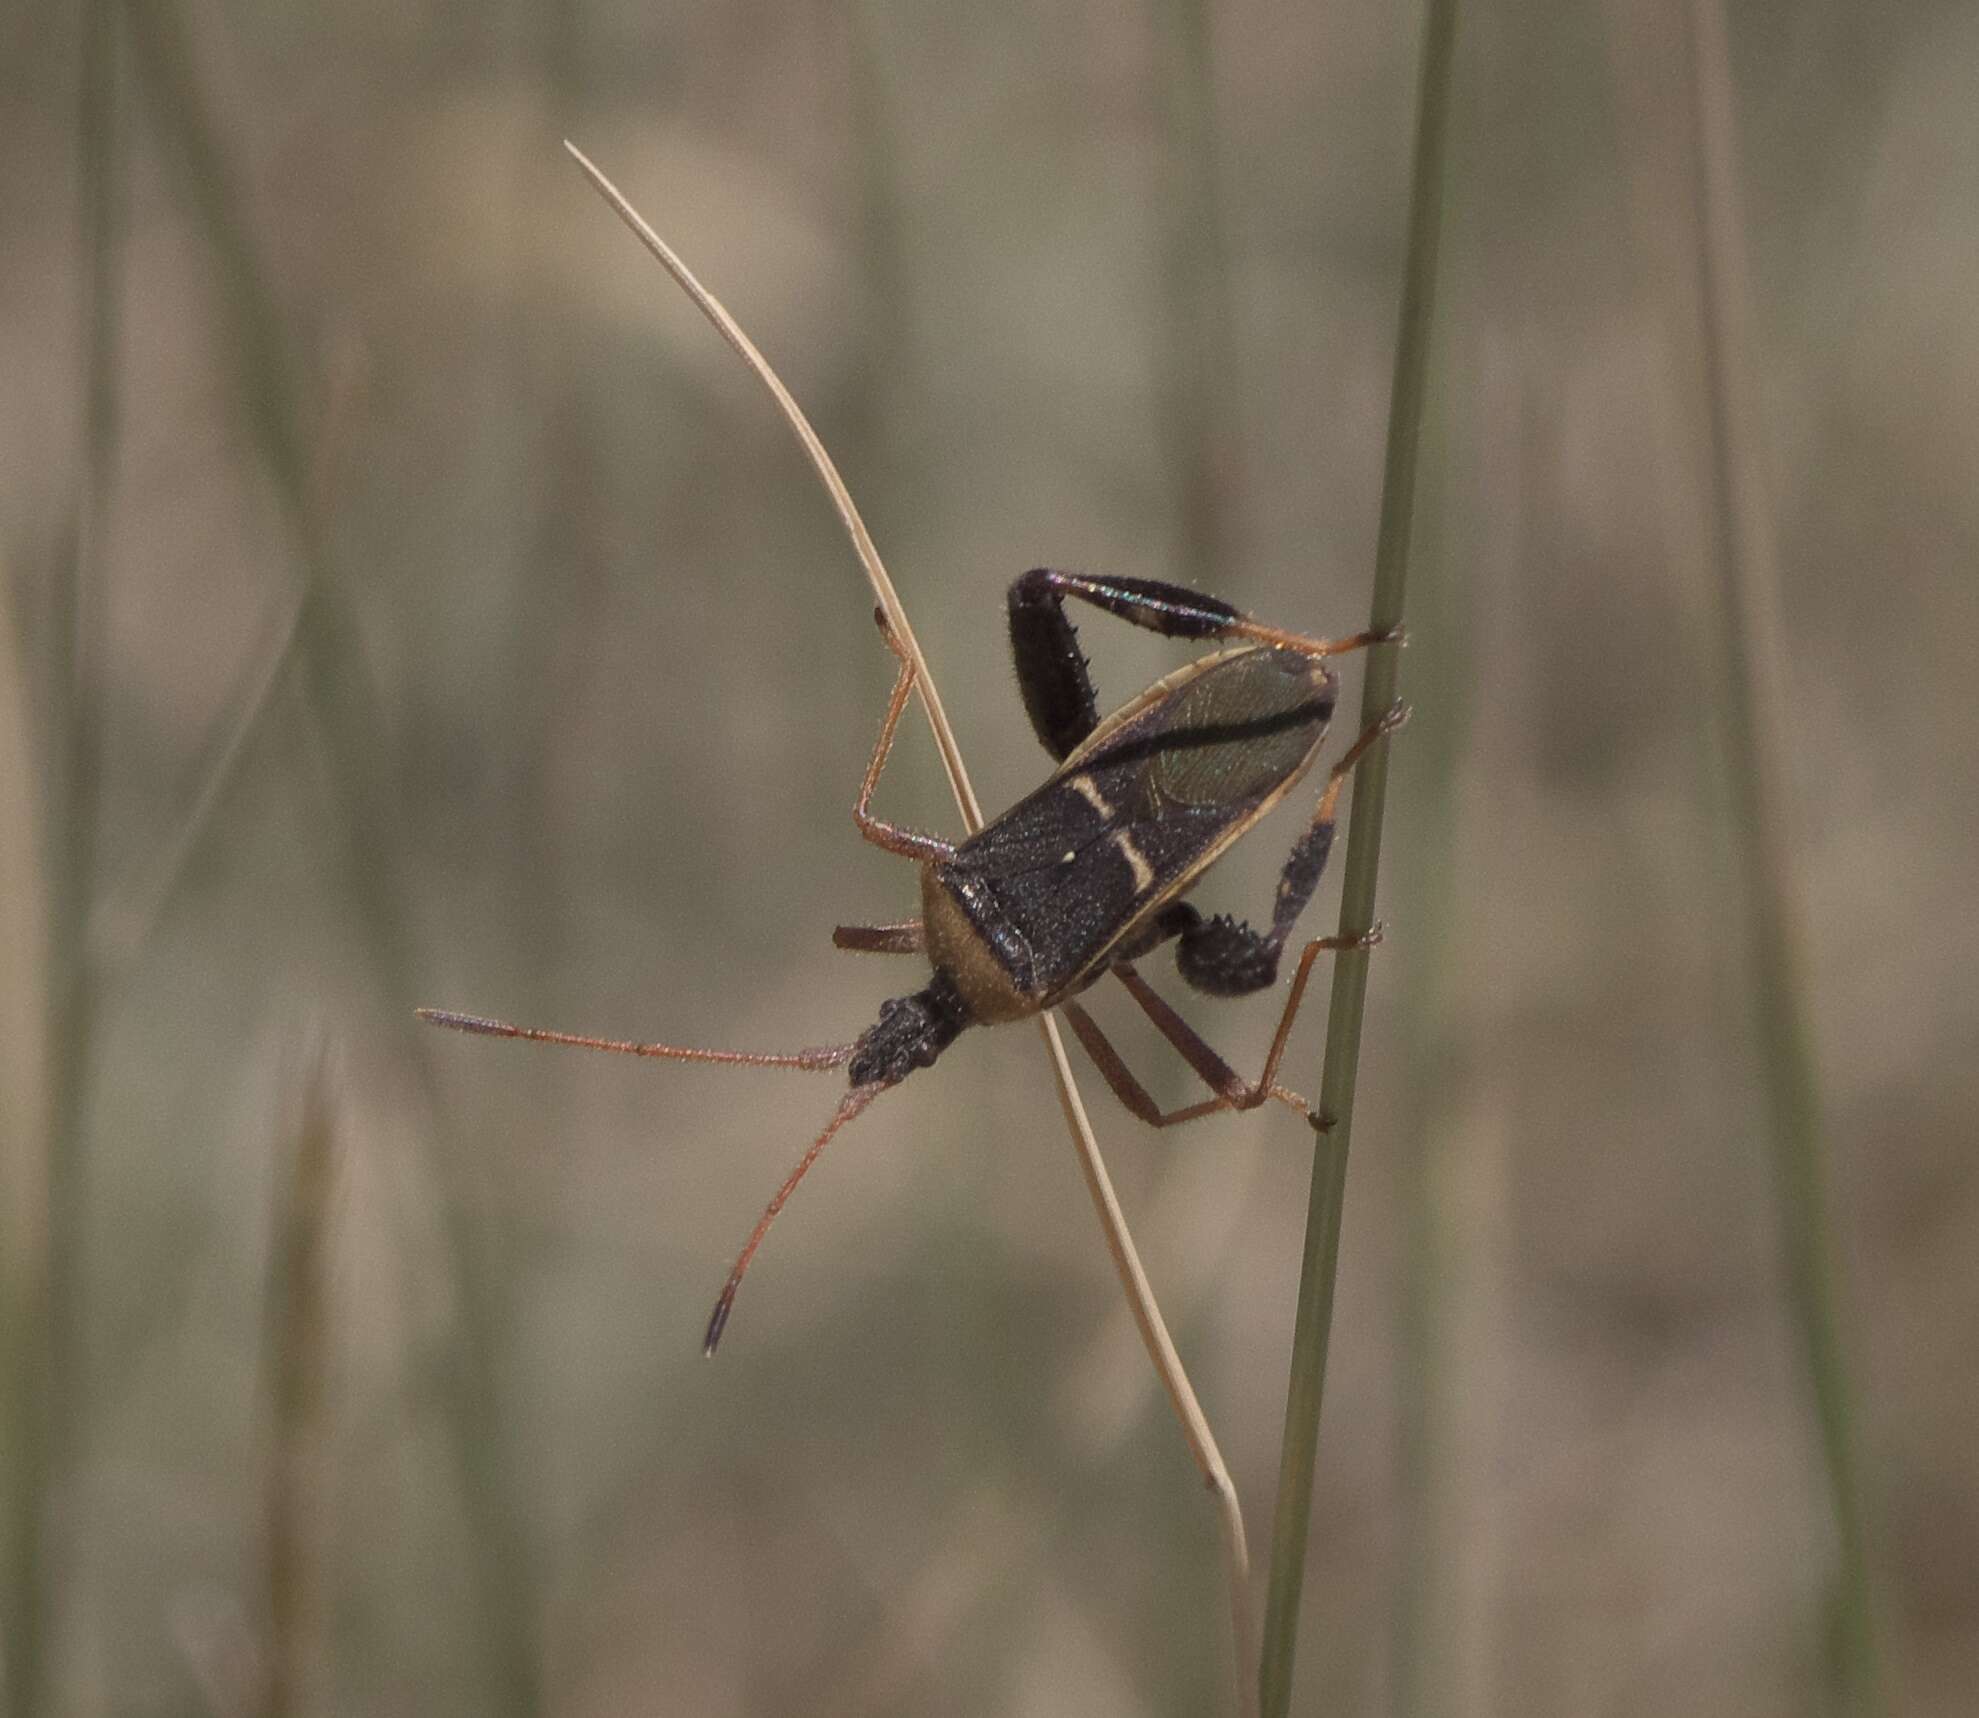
x: 1088, y: 872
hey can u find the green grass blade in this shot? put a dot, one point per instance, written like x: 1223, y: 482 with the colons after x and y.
x: 1428, y: 872
x: 1360, y: 870
x: 337, y: 686
x: 25, y: 1072
x: 1198, y: 411
x: 54, y: 1418
x: 296, y: 1358
x: 1751, y: 702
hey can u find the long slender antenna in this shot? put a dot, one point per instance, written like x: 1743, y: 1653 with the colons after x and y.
x: 823, y: 1057
x: 855, y: 1101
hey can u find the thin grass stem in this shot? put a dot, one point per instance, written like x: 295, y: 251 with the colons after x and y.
x: 1099, y: 1185
x: 1751, y: 704
x: 53, y: 1454
x: 124, y: 921
x: 886, y: 326
x: 821, y: 462
x: 1359, y: 873
x: 337, y: 689
x: 295, y: 1363
x: 26, y: 1071
x: 1433, y: 1048
x: 1199, y: 370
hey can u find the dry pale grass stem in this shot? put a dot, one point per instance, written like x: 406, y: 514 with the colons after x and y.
x: 295, y: 1364
x: 1120, y: 1243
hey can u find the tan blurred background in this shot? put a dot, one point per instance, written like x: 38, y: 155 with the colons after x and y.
x: 568, y: 727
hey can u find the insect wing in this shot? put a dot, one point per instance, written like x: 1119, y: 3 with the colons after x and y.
x: 1135, y: 816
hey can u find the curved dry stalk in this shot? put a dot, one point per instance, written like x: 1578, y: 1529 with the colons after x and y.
x: 841, y: 498
x: 1099, y: 1184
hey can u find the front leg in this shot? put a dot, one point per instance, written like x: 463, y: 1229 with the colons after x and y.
x: 908, y: 843
x: 1051, y: 669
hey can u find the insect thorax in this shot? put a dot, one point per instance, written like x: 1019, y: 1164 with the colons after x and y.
x: 1026, y: 910
x: 991, y: 970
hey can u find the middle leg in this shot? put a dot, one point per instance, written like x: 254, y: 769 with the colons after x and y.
x: 903, y: 936
x: 1227, y: 957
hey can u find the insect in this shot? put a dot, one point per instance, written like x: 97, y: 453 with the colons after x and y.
x: 1087, y: 873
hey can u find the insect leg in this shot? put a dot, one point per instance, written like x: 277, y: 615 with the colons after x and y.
x: 1212, y: 1069
x: 903, y: 937
x: 1174, y: 611
x: 1134, y: 1097
x: 1226, y: 957
x: 909, y: 843
x: 1051, y: 669
x: 1165, y: 926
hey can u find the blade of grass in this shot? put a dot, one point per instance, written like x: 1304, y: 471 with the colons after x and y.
x: 123, y: 922
x: 1359, y: 873
x: 1434, y: 1052
x: 337, y: 688
x: 26, y: 1071
x: 52, y: 1455
x: 1751, y: 701
x: 885, y: 330
x: 1197, y: 414
x: 821, y: 462
x: 1099, y: 1185
x: 558, y: 476
x: 295, y: 1347
x: 1197, y: 378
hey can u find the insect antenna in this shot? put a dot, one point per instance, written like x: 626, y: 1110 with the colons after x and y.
x: 854, y: 1101
x: 815, y: 1060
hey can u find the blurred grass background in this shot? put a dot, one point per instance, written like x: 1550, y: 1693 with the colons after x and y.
x: 408, y: 599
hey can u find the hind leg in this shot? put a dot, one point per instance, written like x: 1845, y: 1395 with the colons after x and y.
x: 908, y: 843
x: 1232, y: 1091
x: 1051, y: 670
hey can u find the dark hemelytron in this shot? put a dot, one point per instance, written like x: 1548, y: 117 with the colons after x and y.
x: 1135, y: 815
